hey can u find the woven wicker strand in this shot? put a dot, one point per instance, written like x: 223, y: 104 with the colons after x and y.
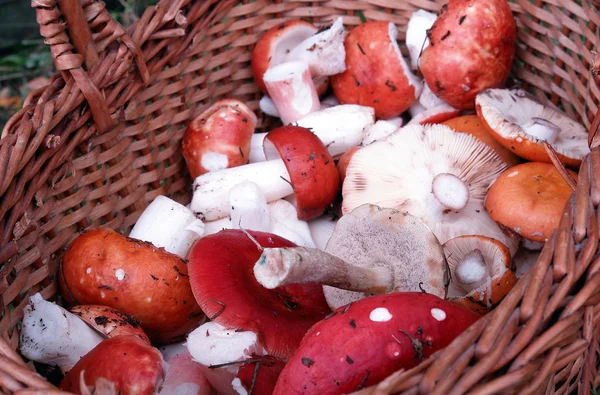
x: 96, y: 145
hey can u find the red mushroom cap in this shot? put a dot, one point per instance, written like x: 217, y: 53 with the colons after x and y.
x: 222, y: 277
x: 130, y: 363
x: 268, y: 369
x: 366, y: 341
x: 109, y: 321
x: 219, y: 138
x: 313, y: 173
x: 376, y: 73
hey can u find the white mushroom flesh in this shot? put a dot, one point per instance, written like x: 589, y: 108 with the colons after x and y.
x: 416, y: 34
x: 450, y: 191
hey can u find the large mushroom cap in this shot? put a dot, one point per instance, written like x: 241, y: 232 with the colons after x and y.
x: 372, y: 236
x: 222, y: 279
x: 529, y: 199
x: 521, y: 124
x: 431, y: 172
x: 480, y: 270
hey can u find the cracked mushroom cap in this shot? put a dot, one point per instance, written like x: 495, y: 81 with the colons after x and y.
x: 481, y: 274
x: 372, y: 236
x: 521, y: 124
x: 529, y: 199
x: 433, y: 173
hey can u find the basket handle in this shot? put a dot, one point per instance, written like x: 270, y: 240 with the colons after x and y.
x: 48, y: 15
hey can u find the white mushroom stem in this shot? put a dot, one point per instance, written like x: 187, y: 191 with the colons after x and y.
x: 324, y: 52
x: 297, y: 265
x: 471, y: 272
x: 380, y: 130
x: 416, y: 35
x: 428, y: 99
x: 211, y: 190
x: 212, y: 345
x: 212, y: 227
x: 267, y: 106
x: 54, y: 336
x: 321, y: 230
x: 248, y: 207
x: 284, y: 222
x: 168, y: 224
x: 292, y: 90
x: 450, y: 191
x: 339, y: 128
x: 542, y: 129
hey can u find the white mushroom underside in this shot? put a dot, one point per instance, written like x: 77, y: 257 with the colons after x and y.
x: 508, y: 111
x: 398, y: 172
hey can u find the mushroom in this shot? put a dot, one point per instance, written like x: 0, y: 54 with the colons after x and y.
x: 272, y: 47
x: 130, y: 363
x: 372, y: 250
x: 50, y: 334
x: 437, y: 114
x: 344, y: 160
x: 218, y: 225
x: 184, y: 377
x: 416, y: 35
x: 376, y: 73
x: 110, y: 322
x: 521, y: 124
x: 472, y: 46
x: 298, y: 163
x: 481, y: 274
x: 324, y: 52
x: 431, y: 172
x: 381, y: 129
x: 529, y: 199
x: 267, y: 106
x: 219, y: 138
x: 168, y: 224
x: 364, y: 342
x: 292, y: 90
x: 471, y: 124
x: 339, y: 128
x: 259, y: 376
x: 285, y: 223
x: 237, y: 301
x: 248, y: 207
x: 321, y: 230
x: 104, y: 267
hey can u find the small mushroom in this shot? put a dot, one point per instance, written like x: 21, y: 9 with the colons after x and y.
x: 481, y: 274
x: 376, y: 73
x: 298, y: 163
x: 130, y: 363
x: 292, y: 90
x: 364, y: 342
x: 219, y: 138
x: 529, y: 199
x: 471, y: 124
x: 110, y: 322
x: 372, y: 250
x: 431, y: 172
x: 521, y: 124
x: 224, y: 286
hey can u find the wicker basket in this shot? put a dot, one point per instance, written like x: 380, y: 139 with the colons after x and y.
x: 102, y: 140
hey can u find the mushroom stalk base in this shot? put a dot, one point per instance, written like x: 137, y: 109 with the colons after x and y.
x: 277, y: 267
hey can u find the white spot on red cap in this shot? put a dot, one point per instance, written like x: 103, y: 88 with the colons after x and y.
x: 120, y: 274
x: 438, y: 314
x: 88, y: 270
x: 380, y: 314
x: 514, y: 173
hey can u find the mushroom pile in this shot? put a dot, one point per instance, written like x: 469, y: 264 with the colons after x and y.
x: 397, y: 202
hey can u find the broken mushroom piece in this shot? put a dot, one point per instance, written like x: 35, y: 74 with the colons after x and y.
x: 168, y: 224
x: 219, y: 138
x: 376, y: 73
x: 130, y: 363
x: 471, y: 124
x: 110, y: 322
x: 431, y: 172
x: 366, y: 341
x: 272, y: 47
x: 324, y: 52
x: 372, y: 250
x: 529, y: 199
x: 51, y: 335
x: 521, y: 124
x: 224, y: 286
x: 481, y: 274
x: 292, y: 90
x: 298, y: 163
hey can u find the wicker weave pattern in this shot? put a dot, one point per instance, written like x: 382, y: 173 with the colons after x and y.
x: 102, y: 140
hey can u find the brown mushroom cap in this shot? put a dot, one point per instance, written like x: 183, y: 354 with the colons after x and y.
x: 529, y: 199
x: 498, y: 278
x: 521, y: 124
